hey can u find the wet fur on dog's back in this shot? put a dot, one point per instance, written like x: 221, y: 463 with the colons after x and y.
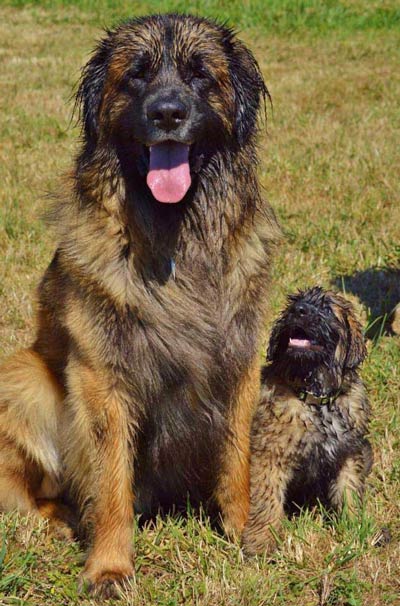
x: 150, y: 314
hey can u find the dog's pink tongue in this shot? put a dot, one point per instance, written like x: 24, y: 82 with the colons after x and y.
x: 169, y: 174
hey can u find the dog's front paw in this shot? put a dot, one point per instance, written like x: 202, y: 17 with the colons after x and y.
x: 105, y: 581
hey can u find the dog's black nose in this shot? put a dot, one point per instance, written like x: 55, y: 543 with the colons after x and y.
x: 166, y: 114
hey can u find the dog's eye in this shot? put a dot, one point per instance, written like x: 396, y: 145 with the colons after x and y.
x: 196, y: 72
x: 200, y: 73
x: 139, y: 72
x: 139, y: 69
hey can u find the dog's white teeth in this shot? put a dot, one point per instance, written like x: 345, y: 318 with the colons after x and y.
x: 301, y: 343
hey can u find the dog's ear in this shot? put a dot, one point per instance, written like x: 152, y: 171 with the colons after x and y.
x: 90, y: 91
x: 357, y: 350
x: 249, y: 87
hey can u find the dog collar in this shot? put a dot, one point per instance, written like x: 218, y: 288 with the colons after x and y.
x: 310, y: 398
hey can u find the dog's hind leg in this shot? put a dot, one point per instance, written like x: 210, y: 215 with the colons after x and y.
x: 30, y: 403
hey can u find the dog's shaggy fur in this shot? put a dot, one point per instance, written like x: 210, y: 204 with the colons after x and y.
x: 140, y: 385
x: 308, y: 440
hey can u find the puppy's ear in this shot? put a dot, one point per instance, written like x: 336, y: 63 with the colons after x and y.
x: 357, y: 351
x: 248, y: 85
x: 90, y: 91
x: 273, y: 341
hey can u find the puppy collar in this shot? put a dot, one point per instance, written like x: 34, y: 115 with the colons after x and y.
x: 310, y: 398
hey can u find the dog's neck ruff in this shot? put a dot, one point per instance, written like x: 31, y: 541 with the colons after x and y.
x: 308, y: 397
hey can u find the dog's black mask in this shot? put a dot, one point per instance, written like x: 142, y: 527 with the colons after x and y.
x: 316, y: 340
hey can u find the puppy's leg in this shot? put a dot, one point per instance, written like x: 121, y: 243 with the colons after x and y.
x: 348, y: 488
x: 233, y: 490
x: 267, y: 496
x: 275, y: 444
x: 30, y: 401
x: 99, y: 467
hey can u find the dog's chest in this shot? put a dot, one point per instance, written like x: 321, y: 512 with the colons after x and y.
x: 170, y: 349
x: 329, y: 432
x: 175, y: 325
x: 328, y: 441
x: 186, y: 362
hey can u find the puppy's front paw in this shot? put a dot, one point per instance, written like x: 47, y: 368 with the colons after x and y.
x: 258, y: 541
x: 104, y: 581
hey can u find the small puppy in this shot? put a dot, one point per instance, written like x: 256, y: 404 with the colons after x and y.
x: 308, y: 439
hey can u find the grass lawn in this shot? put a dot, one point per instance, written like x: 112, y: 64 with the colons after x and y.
x: 329, y: 165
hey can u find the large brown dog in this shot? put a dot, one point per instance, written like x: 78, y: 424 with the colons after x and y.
x: 140, y: 386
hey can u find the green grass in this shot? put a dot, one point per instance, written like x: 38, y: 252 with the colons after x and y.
x: 280, y: 16
x: 329, y: 167
x: 183, y: 561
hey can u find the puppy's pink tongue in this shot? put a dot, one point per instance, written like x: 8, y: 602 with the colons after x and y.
x: 301, y: 343
x: 169, y: 174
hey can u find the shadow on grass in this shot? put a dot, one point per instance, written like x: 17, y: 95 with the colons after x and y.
x: 378, y: 288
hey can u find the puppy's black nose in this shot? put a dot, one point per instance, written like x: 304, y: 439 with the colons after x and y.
x: 166, y: 114
x: 302, y: 309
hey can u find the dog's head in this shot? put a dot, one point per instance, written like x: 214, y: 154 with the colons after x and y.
x: 317, y: 339
x: 167, y: 91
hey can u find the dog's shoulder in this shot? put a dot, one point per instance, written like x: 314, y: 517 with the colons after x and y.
x: 354, y: 403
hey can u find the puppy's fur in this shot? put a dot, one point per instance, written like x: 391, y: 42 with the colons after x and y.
x: 308, y: 439
x: 141, y: 383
